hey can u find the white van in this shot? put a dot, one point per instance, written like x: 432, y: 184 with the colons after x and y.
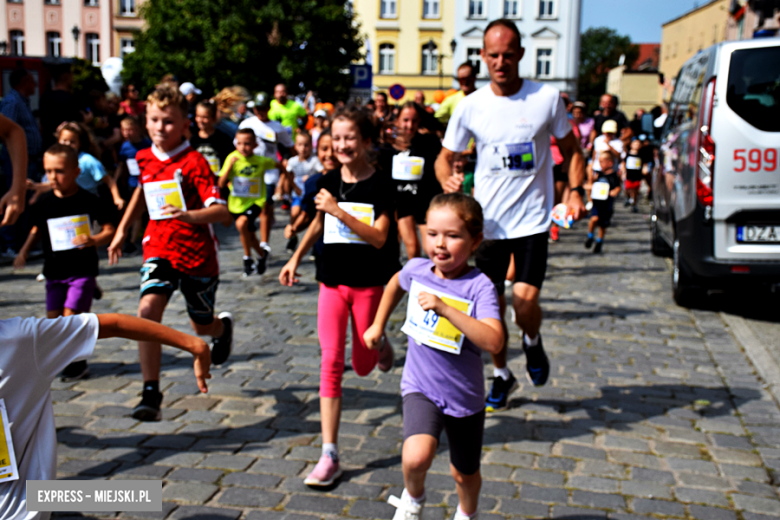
x: 716, y: 192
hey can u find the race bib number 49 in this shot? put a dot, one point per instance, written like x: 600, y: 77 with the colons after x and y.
x: 336, y: 232
x: 427, y: 327
x: 514, y: 160
x: 163, y: 193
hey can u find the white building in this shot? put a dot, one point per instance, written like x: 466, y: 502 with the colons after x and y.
x: 550, y: 31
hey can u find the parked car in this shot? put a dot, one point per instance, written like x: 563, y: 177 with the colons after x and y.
x: 716, y: 191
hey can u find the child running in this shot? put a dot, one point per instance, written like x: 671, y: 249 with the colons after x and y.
x: 128, y: 167
x: 606, y: 186
x: 61, y: 219
x: 355, y: 217
x: 632, y: 170
x: 213, y: 144
x: 300, y: 168
x: 179, y: 192
x: 245, y: 171
x: 443, y: 383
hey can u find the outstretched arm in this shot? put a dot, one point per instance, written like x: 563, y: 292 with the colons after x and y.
x: 390, y: 298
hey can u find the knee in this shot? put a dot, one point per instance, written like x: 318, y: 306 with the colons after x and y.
x: 523, y: 306
x: 465, y: 480
x: 202, y: 330
x: 149, y: 310
x: 417, y: 461
x: 242, y: 224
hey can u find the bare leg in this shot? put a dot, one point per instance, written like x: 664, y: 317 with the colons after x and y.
x: 468, y: 489
x: 242, y: 225
x: 417, y: 457
x: 151, y: 307
x: 408, y: 232
x: 330, y: 417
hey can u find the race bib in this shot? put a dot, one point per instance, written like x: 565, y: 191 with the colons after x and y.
x: 600, y: 190
x: 407, y: 168
x: 8, y: 468
x: 633, y: 163
x: 268, y: 135
x: 336, y: 232
x: 132, y: 168
x: 213, y: 161
x: 271, y: 176
x: 162, y: 193
x: 427, y: 327
x: 513, y: 160
x: 246, y: 187
x: 62, y: 231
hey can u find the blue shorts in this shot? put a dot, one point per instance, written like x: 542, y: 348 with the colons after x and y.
x: 132, y: 181
x: 297, y: 200
x: 603, y: 209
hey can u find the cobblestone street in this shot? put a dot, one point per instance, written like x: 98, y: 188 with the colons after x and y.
x: 652, y: 410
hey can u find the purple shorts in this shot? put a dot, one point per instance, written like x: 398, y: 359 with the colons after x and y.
x: 71, y: 293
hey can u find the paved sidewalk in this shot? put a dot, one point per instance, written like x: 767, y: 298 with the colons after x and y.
x: 652, y: 411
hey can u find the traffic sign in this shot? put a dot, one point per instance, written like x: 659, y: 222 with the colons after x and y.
x: 397, y: 91
x: 361, y: 76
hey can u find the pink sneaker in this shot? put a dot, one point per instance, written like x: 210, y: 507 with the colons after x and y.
x: 324, y: 473
x: 386, y: 359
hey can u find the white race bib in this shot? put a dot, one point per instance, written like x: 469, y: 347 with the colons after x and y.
x: 132, y: 168
x: 8, y: 468
x: 63, y: 230
x: 513, y: 160
x: 161, y: 193
x: 406, y: 168
x: 246, y: 187
x: 600, y: 190
x: 427, y: 327
x: 633, y: 163
x: 336, y: 232
x: 271, y: 176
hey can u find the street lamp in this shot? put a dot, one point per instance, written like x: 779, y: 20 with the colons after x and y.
x: 76, y: 33
x: 453, y: 46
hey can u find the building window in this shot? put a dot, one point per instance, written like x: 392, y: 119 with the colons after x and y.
x: 473, y: 56
x: 91, y: 3
x: 430, y: 58
x: 53, y: 44
x: 126, y: 46
x: 51, y: 2
x: 476, y: 8
x: 543, y: 63
x: 431, y: 9
x: 388, y: 9
x: 512, y: 8
x: 15, y: 1
x: 92, y: 41
x: 17, y: 43
x: 387, y: 58
x: 546, y: 8
x: 127, y: 7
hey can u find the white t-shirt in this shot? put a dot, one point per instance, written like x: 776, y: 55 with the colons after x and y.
x: 33, y: 352
x: 303, y: 169
x: 600, y: 145
x: 268, y: 134
x: 513, y: 180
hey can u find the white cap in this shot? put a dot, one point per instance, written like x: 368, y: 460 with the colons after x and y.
x: 188, y: 88
x: 321, y: 113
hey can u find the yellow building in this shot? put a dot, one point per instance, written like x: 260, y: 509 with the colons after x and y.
x: 406, y: 41
x: 686, y: 35
x: 635, y: 88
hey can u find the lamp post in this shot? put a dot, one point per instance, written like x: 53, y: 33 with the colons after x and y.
x: 76, y: 33
x: 453, y: 46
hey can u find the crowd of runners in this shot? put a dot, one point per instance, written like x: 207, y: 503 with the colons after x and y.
x: 477, y: 176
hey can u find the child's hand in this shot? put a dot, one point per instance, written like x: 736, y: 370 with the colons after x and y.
x: 83, y: 241
x: 115, y: 249
x: 430, y: 302
x: 288, y: 276
x: 177, y: 212
x: 20, y: 261
x: 326, y: 203
x: 201, y: 364
x: 373, y: 337
x: 288, y: 232
x: 119, y: 202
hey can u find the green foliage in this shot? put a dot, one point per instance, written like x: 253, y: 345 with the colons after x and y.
x: 86, y: 78
x: 218, y: 43
x: 600, y: 51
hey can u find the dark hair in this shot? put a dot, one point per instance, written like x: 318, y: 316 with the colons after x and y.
x: 210, y: 106
x: 504, y: 22
x: 58, y: 71
x: 469, y: 65
x: 414, y: 106
x: 382, y: 95
x: 245, y: 131
x: 17, y: 76
x: 86, y: 141
x: 304, y: 133
x: 360, y: 118
x: 71, y: 159
x: 467, y: 208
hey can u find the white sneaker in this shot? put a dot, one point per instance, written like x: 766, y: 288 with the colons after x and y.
x: 40, y: 278
x: 461, y: 516
x: 406, y: 508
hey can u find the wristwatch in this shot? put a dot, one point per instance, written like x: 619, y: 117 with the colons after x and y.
x: 580, y: 190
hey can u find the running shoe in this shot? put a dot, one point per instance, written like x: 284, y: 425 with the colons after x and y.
x: 249, y: 267
x: 554, y: 234
x: 598, y: 246
x: 406, y: 509
x: 149, y: 407
x: 324, y: 473
x: 386, y: 358
x: 634, y: 209
x: 536, y: 363
x: 588, y: 242
x: 261, y: 263
x: 40, y: 278
x: 461, y: 516
x: 499, y: 393
x: 292, y: 243
x: 626, y: 203
x: 97, y: 293
x: 75, y: 371
x: 222, y: 346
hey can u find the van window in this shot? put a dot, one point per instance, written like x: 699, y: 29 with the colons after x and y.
x: 688, y: 89
x: 753, y: 90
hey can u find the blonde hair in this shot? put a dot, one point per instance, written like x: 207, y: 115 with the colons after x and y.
x: 230, y: 97
x: 607, y: 154
x: 467, y: 208
x: 166, y: 95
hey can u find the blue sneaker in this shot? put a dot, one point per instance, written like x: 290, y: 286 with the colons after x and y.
x: 499, y: 393
x: 536, y: 363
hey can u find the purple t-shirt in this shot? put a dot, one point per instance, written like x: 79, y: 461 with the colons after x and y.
x: 454, y: 383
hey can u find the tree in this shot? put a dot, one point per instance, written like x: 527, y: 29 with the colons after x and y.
x: 86, y: 78
x: 307, y: 44
x: 600, y: 51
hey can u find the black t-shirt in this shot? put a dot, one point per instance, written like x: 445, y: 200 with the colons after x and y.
x: 361, y: 265
x: 634, y: 165
x: 610, y: 177
x: 618, y: 117
x: 59, y: 265
x: 215, y: 148
x: 414, y: 197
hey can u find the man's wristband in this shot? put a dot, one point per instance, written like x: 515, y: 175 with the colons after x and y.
x: 580, y: 190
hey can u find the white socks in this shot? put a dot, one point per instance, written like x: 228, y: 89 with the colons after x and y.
x: 331, y: 449
x: 416, y: 501
x: 461, y: 514
x: 531, y: 342
x: 503, y: 373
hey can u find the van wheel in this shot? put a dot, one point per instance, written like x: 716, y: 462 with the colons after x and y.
x: 685, y: 293
x: 658, y: 245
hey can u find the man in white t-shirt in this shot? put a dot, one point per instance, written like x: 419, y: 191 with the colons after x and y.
x: 607, y: 142
x: 511, y: 121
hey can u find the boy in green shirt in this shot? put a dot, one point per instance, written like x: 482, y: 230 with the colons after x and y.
x: 244, y: 171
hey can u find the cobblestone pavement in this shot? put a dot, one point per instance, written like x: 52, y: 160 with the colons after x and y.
x: 652, y: 411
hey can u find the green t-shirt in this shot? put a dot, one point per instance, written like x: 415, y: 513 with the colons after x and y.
x: 246, y: 177
x: 287, y: 114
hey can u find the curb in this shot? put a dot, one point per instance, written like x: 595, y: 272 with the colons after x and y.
x: 762, y: 360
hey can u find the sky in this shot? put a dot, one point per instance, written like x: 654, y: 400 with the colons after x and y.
x: 639, y: 19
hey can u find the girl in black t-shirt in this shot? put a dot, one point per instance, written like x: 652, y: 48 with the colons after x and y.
x: 355, y: 217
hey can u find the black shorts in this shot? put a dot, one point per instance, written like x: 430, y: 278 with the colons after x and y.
x: 559, y: 175
x: 159, y: 277
x: 493, y: 257
x: 253, y: 213
x: 464, y: 434
x: 603, y: 209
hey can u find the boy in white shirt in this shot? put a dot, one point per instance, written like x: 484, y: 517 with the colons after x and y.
x: 299, y: 169
x: 34, y: 352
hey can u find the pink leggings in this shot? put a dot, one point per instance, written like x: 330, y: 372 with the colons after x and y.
x: 336, y: 304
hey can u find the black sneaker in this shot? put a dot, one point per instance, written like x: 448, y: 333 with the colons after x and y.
x: 149, y: 407
x: 292, y: 244
x: 222, y: 346
x: 626, y: 203
x: 98, y: 293
x: 499, y: 393
x: 634, y: 209
x: 260, y: 263
x: 598, y: 246
x: 249, y: 266
x: 536, y: 363
x: 75, y: 371
x: 588, y: 242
